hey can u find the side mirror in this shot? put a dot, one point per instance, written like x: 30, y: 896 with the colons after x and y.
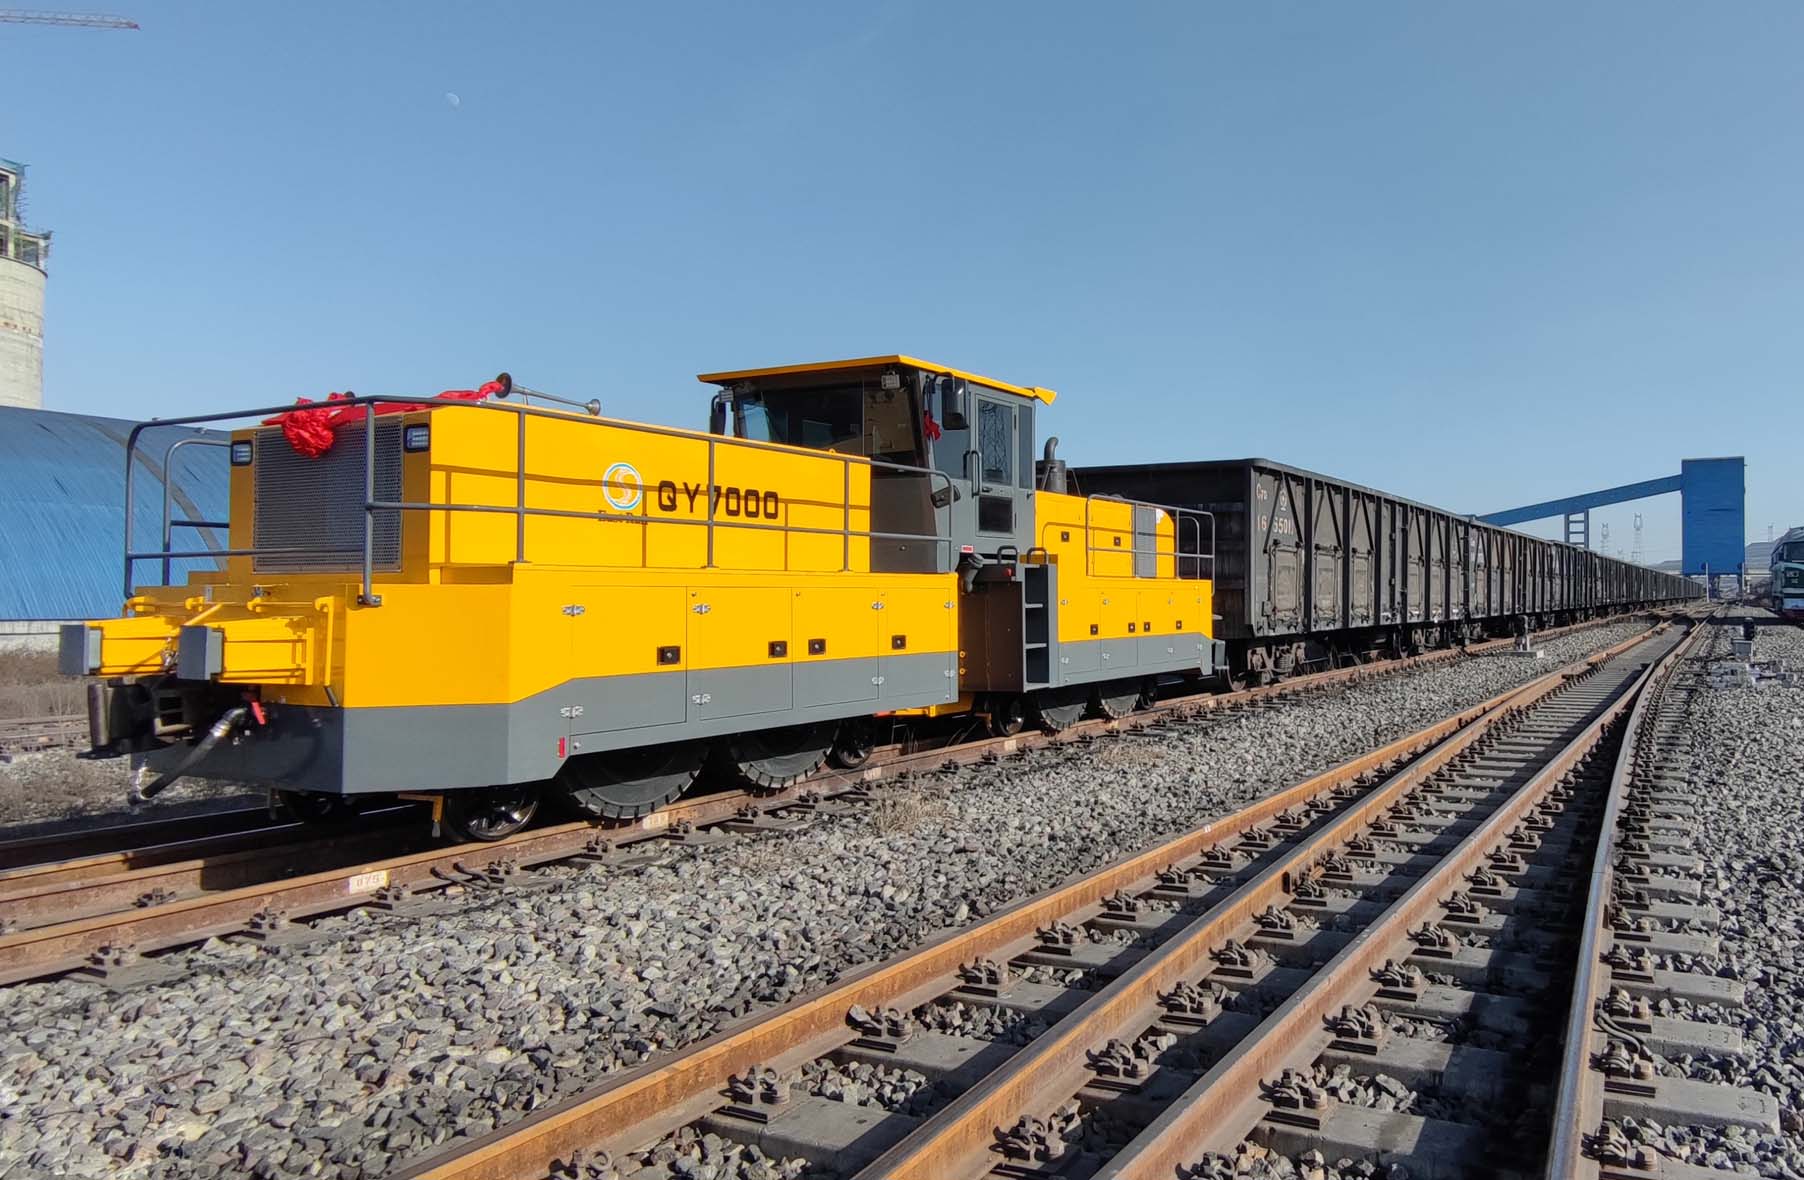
x: 951, y: 395
x: 717, y: 414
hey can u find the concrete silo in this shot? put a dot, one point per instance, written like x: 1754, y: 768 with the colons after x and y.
x: 23, y: 256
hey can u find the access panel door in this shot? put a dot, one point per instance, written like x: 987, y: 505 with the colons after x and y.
x: 627, y: 654
x: 917, y: 657
x: 834, y: 650
x: 738, y: 658
x: 1278, y: 520
x: 1363, y: 580
x: 1328, y: 553
x: 1437, y: 567
x: 1415, y: 564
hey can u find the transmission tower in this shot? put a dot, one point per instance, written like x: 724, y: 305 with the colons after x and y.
x: 74, y: 20
x: 1635, y: 555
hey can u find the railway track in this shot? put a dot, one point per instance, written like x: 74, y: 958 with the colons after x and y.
x: 1376, y: 964
x: 104, y: 911
x: 42, y: 733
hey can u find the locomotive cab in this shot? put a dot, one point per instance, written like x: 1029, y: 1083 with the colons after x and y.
x: 904, y: 413
x: 1066, y: 603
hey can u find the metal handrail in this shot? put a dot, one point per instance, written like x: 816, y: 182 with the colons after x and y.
x: 1177, y: 552
x: 942, y: 540
x: 170, y: 524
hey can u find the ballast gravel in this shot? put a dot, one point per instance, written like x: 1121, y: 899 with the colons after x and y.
x: 1748, y: 748
x: 393, y: 1033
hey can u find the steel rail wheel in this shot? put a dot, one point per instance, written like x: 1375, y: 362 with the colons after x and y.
x: 491, y: 813
x: 1008, y: 716
x: 314, y: 807
x: 854, y: 745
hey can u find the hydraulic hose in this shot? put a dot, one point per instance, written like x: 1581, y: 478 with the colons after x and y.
x: 228, y: 721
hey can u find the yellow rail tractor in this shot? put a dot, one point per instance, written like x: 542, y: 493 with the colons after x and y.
x: 490, y: 602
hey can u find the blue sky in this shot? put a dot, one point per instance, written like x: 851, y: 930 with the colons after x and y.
x: 1475, y: 254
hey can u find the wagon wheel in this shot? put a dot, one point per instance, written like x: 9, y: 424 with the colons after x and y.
x: 623, y: 784
x: 1059, y: 709
x: 771, y: 759
x: 491, y: 813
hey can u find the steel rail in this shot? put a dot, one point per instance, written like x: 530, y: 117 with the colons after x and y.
x: 43, y: 732
x: 140, y: 847
x: 78, y: 844
x: 116, y: 882
x: 1225, y: 1104
x: 633, y: 1108
x: 1580, y: 1105
x: 960, y: 1140
x: 66, y: 921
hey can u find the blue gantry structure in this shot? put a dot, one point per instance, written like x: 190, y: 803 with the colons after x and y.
x: 1713, y: 496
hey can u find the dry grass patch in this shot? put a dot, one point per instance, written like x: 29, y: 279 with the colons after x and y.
x: 30, y: 686
x: 907, y: 811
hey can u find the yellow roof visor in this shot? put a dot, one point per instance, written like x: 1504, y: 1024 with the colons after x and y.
x: 727, y: 378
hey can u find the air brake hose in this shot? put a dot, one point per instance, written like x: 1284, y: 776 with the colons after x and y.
x: 228, y: 721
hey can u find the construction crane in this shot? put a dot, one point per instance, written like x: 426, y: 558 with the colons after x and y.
x: 78, y: 20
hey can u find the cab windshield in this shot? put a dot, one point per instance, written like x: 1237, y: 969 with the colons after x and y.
x: 847, y: 419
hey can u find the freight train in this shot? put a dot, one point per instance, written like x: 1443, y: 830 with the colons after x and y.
x: 1788, y: 574
x: 1315, y: 572
x: 485, y: 603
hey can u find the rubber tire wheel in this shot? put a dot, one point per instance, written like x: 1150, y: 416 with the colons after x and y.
x: 771, y: 759
x: 1008, y: 717
x: 1056, y: 711
x: 625, y: 784
x: 313, y: 807
x: 487, y: 814
x: 1116, y: 704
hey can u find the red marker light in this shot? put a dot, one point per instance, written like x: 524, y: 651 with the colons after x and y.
x: 562, y: 746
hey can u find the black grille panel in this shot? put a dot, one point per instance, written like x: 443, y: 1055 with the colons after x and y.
x: 314, y: 507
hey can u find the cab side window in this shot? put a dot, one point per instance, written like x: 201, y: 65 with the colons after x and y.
x: 996, y: 441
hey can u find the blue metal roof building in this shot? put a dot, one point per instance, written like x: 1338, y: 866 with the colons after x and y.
x: 62, y: 509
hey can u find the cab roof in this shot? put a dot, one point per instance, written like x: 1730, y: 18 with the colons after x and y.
x: 1033, y: 391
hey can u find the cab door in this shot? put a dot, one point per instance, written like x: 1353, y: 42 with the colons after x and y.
x: 1004, y: 503
x: 985, y: 446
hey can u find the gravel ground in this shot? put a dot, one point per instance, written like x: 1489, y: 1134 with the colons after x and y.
x: 53, y: 790
x: 347, y: 1055
x: 1750, y: 837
